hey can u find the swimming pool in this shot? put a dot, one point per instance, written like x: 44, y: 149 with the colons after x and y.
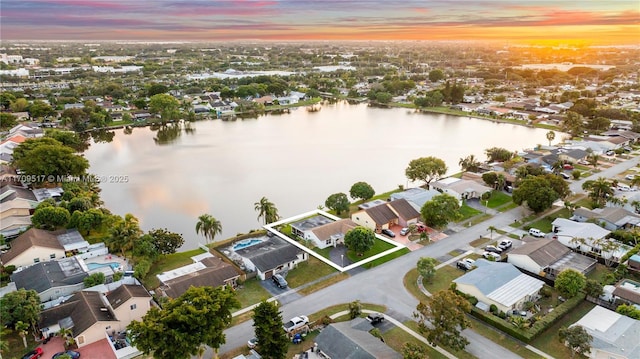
x: 246, y: 243
x: 114, y: 265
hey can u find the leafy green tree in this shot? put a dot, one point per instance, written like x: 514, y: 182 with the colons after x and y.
x: 19, y: 105
x: 166, y: 242
x: 50, y: 217
x: 593, y: 288
x: 427, y: 268
x: 414, y: 351
x: 490, y: 178
x: 383, y: 97
x: 21, y: 305
x: 551, y: 136
x: 155, y: 89
x: 570, y: 282
x: 469, y: 164
x: 573, y: 123
x: 7, y: 121
x: 559, y: 185
x: 94, y: 279
x: 598, y: 190
x: 23, y: 329
x: 498, y: 154
x: 145, y: 249
x: 337, y: 202
x: 628, y: 310
x: 361, y: 190
x: 42, y: 157
x: 426, y: 169
x: 4, y: 342
x: 355, y: 309
x: 39, y: 109
x: 266, y: 210
x: 536, y: 192
x: 142, y: 267
x: 176, y: 331
x: 359, y: 239
x: 209, y: 226
x: 443, y: 318
x: 440, y: 210
x: 123, y: 233
x: 576, y: 338
x: 93, y: 218
x: 273, y: 342
x: 166, y: 106
x: 436, y: 75
x: 81, y: 204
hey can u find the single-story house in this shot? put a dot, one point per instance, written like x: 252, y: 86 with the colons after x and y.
x: 417, y: 197
x: 614, y: 335
x: 352, y: 340
x: 588, y: 238
x: 501, y: 284
x: 209, y: 271
x: 548, y: 257
x: 53, y: 279
x: 573, y: 155
x: 299, y: 228
x: 612, y: 218
x: 627, y: 291
x: 92, y: 316
x: 461, y: 189
x: 398, y: 212
x: 330, y: 234
x: 271, y: 256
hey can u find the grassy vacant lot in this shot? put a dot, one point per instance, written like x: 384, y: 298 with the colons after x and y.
x: 308, y: 271
x: 504, y: 340
x: 168, y: 262
x: 497, y: 199
x: 378, y: 247
x: 544, y: 224
x: 397, y: 337
x: 548, y: 341
x: 251, y: 293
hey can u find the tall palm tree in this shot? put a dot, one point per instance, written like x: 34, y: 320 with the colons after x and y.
x: 21, y: 328
x: 551, y: 136
x: 469, y: 163
x: 4, y: 343
x: 599, y: 190
x: 593, y: 160
x: 266, y: 210
x: 208, y: 226
x: 492, y: 229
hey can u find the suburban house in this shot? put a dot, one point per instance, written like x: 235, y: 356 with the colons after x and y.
x: 501, y: 284
x: 611, y: 218
x: 417, y: 197
x: 16, y: 206
x: 207, y: 270
x: 627, y: 291
x: 53, y: 279
x: 37, y: 245
x: 352, y: 340
x: 547, y: 258
x: 330, y: 234
x: 615, y: 336
x: 301, y: 227
x: 573, y: 155
x: 634, y: 262
x: 271, y: 256
x: 460, y: 189
x: 588, y: 238
x: 93, y: 316
x: 398, y: 212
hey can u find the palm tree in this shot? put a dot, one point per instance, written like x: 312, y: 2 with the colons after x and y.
x: 492, y: 229
x: 557, y: 166
x: 551, y: 136
x: 21, y: 328
x: 266, y: 210
x: 635, y: 181
x: 4, y: 343
x: 208, y: 226
x: 599, y: 190
x: 124, y: 233
x: 67, y: 335
x: 593, y: 160
x: 469, y: 163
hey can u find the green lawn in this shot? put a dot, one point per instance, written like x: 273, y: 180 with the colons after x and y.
x: 507, y: 207
x: 251, y: 293
x: 378, y: 247
x: 504, y: 340
x: 323, y: 251
x: 599, y: 273
x: 168, y: 262
x: 443, y: 278
x: 497, y: 199
x: 544, y: 224
x: 397, y: 337
x: 410, y: 282
x: 308, y: 271
x: 468, y: 212
x: 388, y: 257
x: 548, y: 341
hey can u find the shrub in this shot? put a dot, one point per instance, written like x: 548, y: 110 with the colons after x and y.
x: 473, y: 300
x: 493, y: 308
x: 546, y: 291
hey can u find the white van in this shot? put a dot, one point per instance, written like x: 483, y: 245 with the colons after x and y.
x: 536, y: 232
x: 623, y: 187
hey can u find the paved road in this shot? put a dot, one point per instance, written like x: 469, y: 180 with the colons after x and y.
x: 384, y: 284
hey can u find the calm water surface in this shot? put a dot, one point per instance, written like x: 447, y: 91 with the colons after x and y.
x: 296, y: 160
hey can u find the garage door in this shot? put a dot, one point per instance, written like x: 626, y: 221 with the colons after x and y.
x: 268, y: 274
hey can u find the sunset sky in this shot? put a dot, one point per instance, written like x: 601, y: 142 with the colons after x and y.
x: 586, y: 21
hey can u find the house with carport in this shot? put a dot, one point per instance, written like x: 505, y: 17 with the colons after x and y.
x: 386, y: 215
x: 500, y: 284
x: 547, y: 257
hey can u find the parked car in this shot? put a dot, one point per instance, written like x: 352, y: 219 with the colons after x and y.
x: 463, y: 265
x: 375, y: 318
x: 493, y: 249
x: 279, y: 281
x: 252, y: 342
x: 567, y: 166
x: 565, y: 176
x: 630, y: 177
x: 521, y: 313
x: 71, y: 353
x: 623, y: 187
x: 491, y: 255
x: 536, y: 232
x: 469, y: 261
x: 505, y: 244
x: 609, y: 153
x: 389, y: 233
x: 35, y: 353
x: 404, y: 231
x: 295, y: 323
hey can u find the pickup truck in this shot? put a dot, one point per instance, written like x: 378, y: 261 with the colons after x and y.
x: 295, y: 323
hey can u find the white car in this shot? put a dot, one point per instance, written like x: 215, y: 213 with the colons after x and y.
x: 295, y: 323
x: 630, y: 177
x: 536, y: 232
x: 404, y: 231
x: 490, y: 255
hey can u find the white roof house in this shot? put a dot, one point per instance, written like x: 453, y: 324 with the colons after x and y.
x: 460, y: 188
x: 614, y: 335
x: 499, y: 283
x: 587, y: 237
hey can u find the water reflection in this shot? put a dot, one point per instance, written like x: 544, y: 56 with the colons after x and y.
x: 102, y: 135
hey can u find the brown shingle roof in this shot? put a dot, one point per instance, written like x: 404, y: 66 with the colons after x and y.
x: 84, y: 308
x: 543, y: 251
x: 381, y: 214
x: 624, y: 290
x: 125, y: 292
x: 28, y: 239
x: 404, y: 209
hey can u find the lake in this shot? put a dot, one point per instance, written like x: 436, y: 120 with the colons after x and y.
x: 296, y: 160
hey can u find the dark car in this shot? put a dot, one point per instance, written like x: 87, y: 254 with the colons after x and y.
x: 565, y: 176
x: 375, y: 318
x: 35, y: 353
x: 388, y: 233
x: 463, y: 265
x: 493, y: 249
x: 71, y: 353
x: 252, y: 342
x: 279, y: 281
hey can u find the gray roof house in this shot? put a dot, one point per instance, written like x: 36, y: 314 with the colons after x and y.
x: 53, y: 279
x: 352, y: 340
x: 614, y: 335
x: 271, y: 256
x: 415, y: 196
x: 548, y: 257
x: 613, y: 217
x: 499, y: 283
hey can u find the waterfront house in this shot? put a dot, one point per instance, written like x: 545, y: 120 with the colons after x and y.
x: 271, y: 256
x: 330, y: 234
x: 208, y: 270
x: 386, y: 215
x: 460, y: 189
x: 37, y: 245
x: 417, y: 197
x: 52, y: 279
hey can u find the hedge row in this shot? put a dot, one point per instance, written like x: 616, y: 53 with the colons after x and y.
x: 538, y: 327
